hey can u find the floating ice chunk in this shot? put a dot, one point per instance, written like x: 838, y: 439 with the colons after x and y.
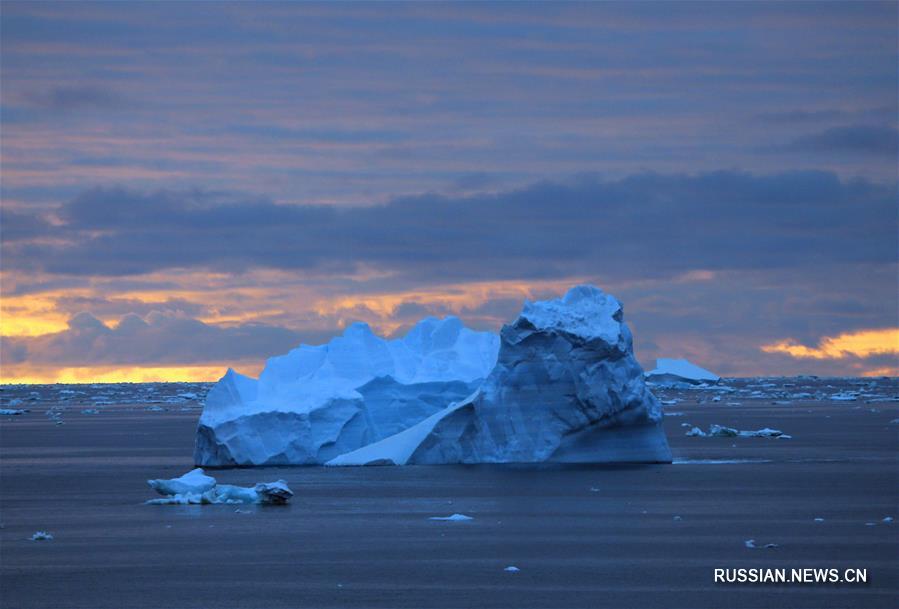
x: 720, y: 431
x: 12, y: 411
x: 90, y: 411
x: 771, y: 546
x: 888, y: 519
x: 819, y: 520
x: 453, y: 518
x: 511, y: 569
x: 41, y: 536
x: 679, y: 373
x: 194, y: 482
x: 749, y: 543
x: 195, y: 487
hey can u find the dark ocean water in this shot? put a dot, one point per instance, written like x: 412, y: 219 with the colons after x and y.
x: 76, y: 462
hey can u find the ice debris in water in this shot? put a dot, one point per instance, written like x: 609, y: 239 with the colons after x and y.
x: 42, y: 536
x: 749, y: 543
x: 453, y: 518
x: 12, y: 411
x: 511, y: 569
x: 195, y: 487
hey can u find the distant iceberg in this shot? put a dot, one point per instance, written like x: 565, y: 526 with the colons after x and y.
x: 675, y: 372
x: 561, y: 384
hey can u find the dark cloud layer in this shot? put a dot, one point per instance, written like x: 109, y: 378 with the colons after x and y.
x: 646, y: 225
x: 861, y: 139
x: 158, y: 339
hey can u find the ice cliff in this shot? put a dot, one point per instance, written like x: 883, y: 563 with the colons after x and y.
x: 566, y: 388
x: 560, y: 384
x: 318, y: 402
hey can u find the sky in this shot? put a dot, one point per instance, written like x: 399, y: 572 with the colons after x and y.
x: 192, y: 186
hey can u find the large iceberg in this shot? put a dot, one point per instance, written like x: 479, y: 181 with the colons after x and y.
x: 318, y: 402
x: 566, y: 388
x: 679, y: 373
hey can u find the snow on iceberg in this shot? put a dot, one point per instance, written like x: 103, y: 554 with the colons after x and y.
x: 566, y: 388
x: 318, y: 402
x: 195, y: 487
x: 679, y: 372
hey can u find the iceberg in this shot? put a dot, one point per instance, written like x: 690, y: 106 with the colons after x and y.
x: 566, y: 388
x: 318, y: 402
x: 680, y: 373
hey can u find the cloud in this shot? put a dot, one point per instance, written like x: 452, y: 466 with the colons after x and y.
x: 859, y: 139
x: 645, y: 225
x: 158, y: 340
x: 16, y: 225
x: 75, y: 97
x: 863, y: 343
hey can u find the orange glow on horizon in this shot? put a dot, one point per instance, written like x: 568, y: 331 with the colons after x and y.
x: 131, y: 374
x: 863, y: 343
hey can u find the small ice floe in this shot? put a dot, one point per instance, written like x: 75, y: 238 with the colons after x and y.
x: 720, y: 431
x: 894, y: 422
x: 677, y: 518
x: 887, y: 520
x: 90, y: 411
x: 782, y: 402
x: 819, y: 520
x: 749, y: 543
x: 42, y: 536
x: 12, y: 411
x: 670, y: 402
x: 593, y: 489
x: 155, y: 409
x: 771, y: 546
x: 870, y: 524
x: 674, y: 414
x: 511, y: 569
x: 453, y: 518
x: 195, y: 487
